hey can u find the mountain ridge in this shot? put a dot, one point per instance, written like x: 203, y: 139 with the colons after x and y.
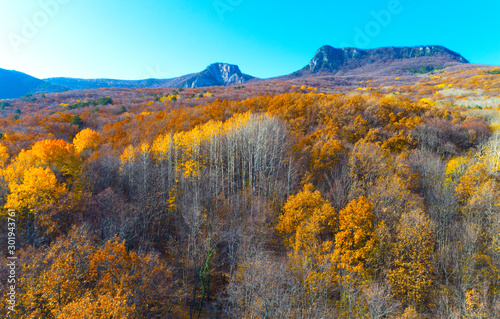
x: 216, y: 74
x: 327, y: 61
x: 14, y: 84
x: 220, y: 73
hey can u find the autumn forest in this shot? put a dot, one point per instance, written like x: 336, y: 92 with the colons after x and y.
x: 271, y: 199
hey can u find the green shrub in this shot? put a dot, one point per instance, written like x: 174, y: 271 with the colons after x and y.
x: 76, y: 120
x: 494, y: 72
x: 3, y: 105
x: 424, y: 69
x: 99, y: 101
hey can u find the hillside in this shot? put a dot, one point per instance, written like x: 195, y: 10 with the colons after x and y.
x: 216, y: 74
x: 331, y: 60
x: 15, y: 84
x: 327, y: 63
x: 79, y: 84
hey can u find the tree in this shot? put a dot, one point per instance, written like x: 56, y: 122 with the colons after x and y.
x: 471, y: 181
x: 4, y: 156
x: 76, y: 120
x: 411, y: 276
x: 366, y: 166
x: 355, y: 239
x: 354, y: 243
x: 86, y: 139
x: 38, y: 191
x: 75, y: 277
x: 58, y: 155
x: 308, y: 222
x: 39, y: 188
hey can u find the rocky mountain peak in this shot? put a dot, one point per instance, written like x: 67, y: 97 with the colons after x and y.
x: 330, y: 59
x: 218, y: 74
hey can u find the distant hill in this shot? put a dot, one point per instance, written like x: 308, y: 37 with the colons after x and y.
x: 79, y: 84
x: 336, y: 66
x: 329, y: 60
x: 15, y: 84
x: 217, y: 74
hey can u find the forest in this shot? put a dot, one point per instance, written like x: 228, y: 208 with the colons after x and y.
x: 269, y: 200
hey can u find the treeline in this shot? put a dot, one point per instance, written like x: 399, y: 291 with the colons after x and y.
x: 287, y: 206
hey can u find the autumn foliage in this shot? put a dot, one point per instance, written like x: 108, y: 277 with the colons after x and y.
x: 269, y: 201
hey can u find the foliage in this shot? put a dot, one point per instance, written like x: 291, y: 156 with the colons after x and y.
x: 265, y: 200
x: 39, y: 188
x: 308, y: 221
x: 76, y: 120
x: 425, y: 69
x: 355, y: 239
x: 77, y: 278
x: 99, y: 101
x: 493, y: 72
x: 4, y: 104
x: 411, y: 276
x: 86, y: 139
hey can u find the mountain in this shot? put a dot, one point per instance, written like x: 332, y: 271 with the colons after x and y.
x: 79, y: 84
x: 332, y: 60
x: 15, y: 84
x: 329, y: 64
x: 217, y: 74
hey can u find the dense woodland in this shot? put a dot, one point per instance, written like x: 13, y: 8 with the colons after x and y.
x: 269, y: 200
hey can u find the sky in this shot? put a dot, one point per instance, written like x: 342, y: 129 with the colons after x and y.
x: 138, y: 39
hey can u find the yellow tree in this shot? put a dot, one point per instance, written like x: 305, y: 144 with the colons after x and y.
x: 37, y: 179
x: 354, y: 242
x: 325, y: 158
x: 103, y: 306
x: 86, y: 139
x: 14, y: 172
x: 4, y: 155
x: 74, y: 278
x: 39, y: 188
x: 120, y: 273
x: 58, y: 155
x: 411, y: 276
x: 55, y: 278
x: 455, y: 168
x: 475, y: 176
x: 479, y: 193
x: 308, y: 221
x: 355, y: 239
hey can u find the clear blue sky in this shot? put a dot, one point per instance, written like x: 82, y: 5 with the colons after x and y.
x: 128, y: 39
